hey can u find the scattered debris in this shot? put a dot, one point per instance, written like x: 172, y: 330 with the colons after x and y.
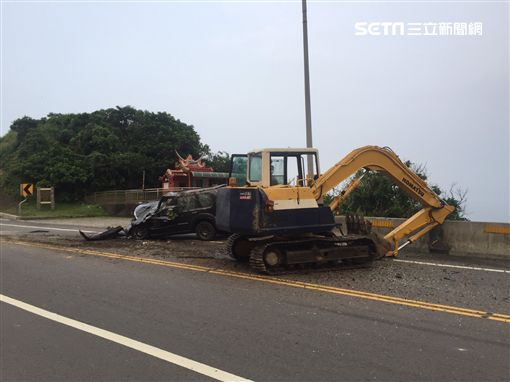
x: 110, y: 233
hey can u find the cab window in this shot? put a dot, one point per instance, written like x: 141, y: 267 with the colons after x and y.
x: 286, y: 169
x: 277, y: 170
x: 294, y: 174
x: 255, y: 163
x: 313, y: 158
x: 239, y: 166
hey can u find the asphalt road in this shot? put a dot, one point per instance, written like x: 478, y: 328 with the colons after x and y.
x: 250, y: 328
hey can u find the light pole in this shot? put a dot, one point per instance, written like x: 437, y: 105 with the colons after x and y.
x: 308, y: 109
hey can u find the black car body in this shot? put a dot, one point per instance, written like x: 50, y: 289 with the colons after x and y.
x: 177, y: 213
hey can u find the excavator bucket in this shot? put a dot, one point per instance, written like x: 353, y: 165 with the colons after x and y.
x: 357, y: 225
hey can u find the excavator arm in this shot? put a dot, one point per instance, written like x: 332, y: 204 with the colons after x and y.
x: 384, y: 160
x: 344, y: 194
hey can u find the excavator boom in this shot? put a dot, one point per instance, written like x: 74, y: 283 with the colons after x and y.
x: 384, y: 160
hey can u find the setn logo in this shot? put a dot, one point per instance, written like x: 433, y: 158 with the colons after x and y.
x: 385, y: 28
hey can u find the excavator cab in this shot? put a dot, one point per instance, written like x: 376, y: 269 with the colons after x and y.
x: 273, y: 167
x: 270, y: 194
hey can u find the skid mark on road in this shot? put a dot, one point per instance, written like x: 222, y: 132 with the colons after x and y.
x: 279, y: 281
x: 175, y: 359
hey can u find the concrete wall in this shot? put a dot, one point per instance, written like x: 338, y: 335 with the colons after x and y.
x: 460, y: 237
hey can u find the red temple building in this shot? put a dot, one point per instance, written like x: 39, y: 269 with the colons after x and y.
x: 191, y: 172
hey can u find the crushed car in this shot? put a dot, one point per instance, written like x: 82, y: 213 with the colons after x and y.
x: 189, y: 211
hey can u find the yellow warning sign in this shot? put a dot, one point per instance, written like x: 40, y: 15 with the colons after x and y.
x: 27, y: 189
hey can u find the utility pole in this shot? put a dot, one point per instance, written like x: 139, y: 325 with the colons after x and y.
x: 308, y: 109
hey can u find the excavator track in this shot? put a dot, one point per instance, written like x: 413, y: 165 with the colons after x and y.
x: 269, y: 257
x: 238, y: 247
x: 257, y: 260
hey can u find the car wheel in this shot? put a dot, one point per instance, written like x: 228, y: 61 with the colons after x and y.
x: 205, y: 230
x: 139, y: 232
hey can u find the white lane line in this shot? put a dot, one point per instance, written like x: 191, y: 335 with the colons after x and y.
x: 453, y: 266
x: 43, y: 227
x: 128, y: 342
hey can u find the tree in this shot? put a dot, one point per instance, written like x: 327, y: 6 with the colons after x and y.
x: 23, y: 127
x: 377, y: 195
x: 87, y: 152
x: 219, y: 161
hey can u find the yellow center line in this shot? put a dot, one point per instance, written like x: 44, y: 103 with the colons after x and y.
x: 280, y: 281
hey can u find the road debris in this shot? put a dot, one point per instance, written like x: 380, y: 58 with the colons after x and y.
x: 110, y: 233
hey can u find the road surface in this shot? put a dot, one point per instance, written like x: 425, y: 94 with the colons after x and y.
x: 187, y: 319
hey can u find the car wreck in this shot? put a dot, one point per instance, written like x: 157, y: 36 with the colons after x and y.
x: 189, y: 211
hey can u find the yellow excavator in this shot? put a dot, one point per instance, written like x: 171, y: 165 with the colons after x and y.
x: 276, y: 216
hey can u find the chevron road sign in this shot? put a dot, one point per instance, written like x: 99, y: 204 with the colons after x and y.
x: 27, y: 189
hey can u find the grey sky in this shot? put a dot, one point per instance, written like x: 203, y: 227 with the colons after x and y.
x: 234, y: 71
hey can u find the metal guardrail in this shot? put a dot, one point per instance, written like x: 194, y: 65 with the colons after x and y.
x: 131, y: 196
